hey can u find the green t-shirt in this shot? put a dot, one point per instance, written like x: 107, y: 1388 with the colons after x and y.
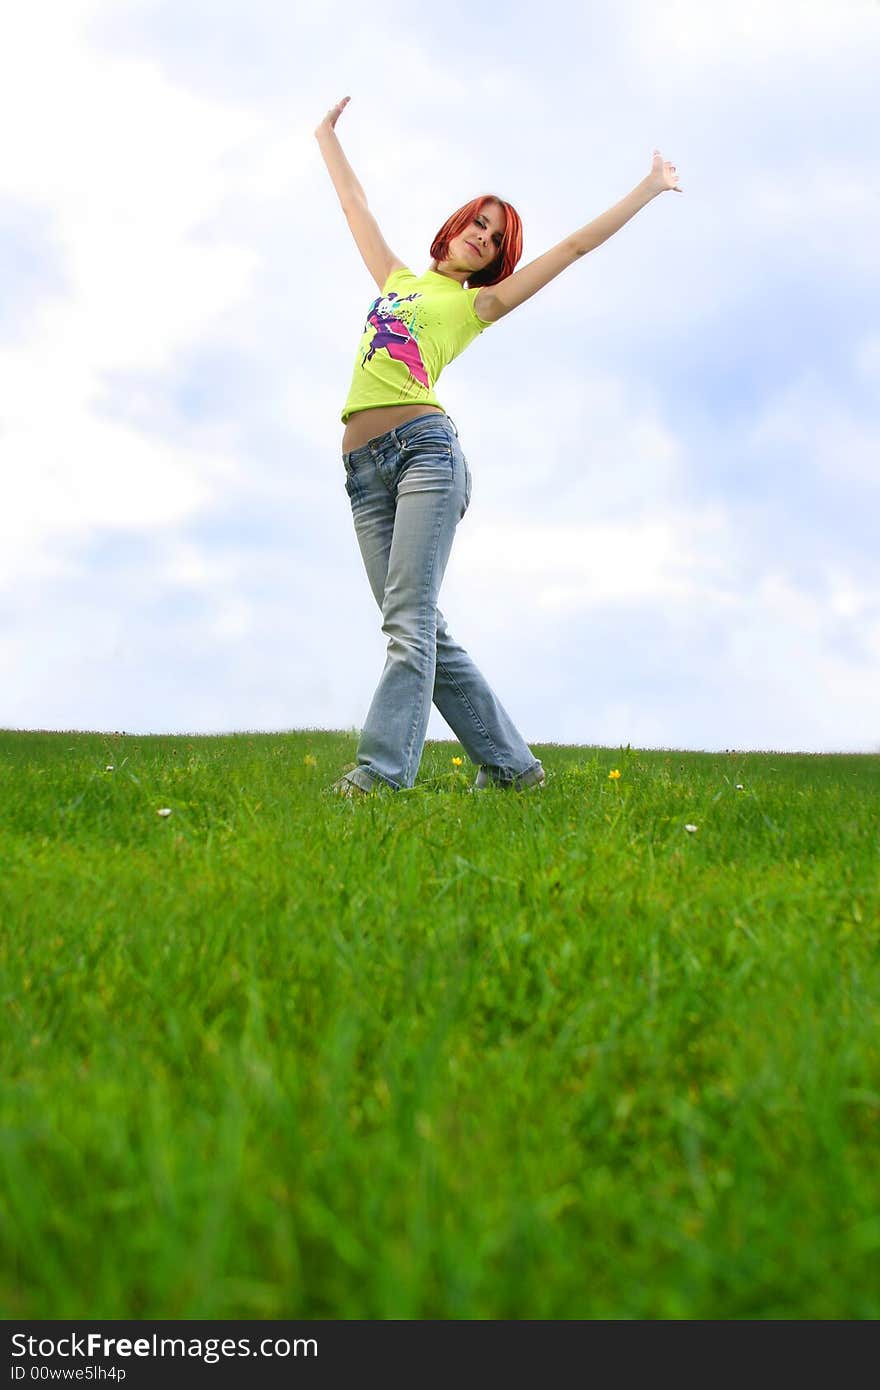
x: 418, y: 324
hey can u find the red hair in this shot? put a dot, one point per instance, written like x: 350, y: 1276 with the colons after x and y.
x: 509, y: 251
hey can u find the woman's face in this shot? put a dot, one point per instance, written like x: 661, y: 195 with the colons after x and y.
x: 479, y: 244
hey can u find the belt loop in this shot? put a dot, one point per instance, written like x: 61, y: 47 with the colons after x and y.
x: 452, y: 423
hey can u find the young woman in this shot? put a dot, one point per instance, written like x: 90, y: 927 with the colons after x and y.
x: 406, y: 476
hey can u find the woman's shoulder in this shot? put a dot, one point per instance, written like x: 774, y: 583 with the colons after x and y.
x: 396, y: 270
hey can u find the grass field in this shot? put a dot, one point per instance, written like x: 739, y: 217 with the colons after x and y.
x: 436, y: 1054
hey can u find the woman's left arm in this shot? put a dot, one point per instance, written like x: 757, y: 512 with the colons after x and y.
x: 494, y: 301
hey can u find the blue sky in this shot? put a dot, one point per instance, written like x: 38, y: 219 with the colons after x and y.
x: 675, y: 446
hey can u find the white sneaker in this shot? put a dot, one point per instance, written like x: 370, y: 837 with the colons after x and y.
x: 345, y: 787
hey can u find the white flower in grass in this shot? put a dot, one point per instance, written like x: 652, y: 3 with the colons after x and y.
x: 690, y: 829
x: 109, y: 768
x: 740, y: 787
x: 165, y: 811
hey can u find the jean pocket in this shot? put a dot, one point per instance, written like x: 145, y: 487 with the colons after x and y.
x: 350, y: 468
x: 428, y: 439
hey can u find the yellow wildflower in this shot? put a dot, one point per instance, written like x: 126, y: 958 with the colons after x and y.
x: 310, y: 760
x: 456, y: 762
x: 614, y: 774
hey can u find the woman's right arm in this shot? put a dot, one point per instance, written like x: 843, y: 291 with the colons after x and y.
x: 379, y: 259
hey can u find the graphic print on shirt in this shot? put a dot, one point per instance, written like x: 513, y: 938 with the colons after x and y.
x: 394, y: 335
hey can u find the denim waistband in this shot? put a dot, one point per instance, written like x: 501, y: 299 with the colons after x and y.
x: 399, y: 432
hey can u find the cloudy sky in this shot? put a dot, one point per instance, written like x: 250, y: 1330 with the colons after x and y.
x: 675, y: 446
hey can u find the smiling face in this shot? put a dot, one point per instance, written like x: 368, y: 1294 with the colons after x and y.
x: 478, y: 245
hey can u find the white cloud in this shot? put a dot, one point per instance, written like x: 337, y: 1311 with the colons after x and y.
x: 182, y: 190
x: 751, y: 32
x: 581, y: 566
x: 129, y: 167
x: 850, y: 598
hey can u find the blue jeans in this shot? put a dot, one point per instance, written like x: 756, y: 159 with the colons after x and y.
x: 409, y: 489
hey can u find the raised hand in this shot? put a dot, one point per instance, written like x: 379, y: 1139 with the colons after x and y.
x: 663, y: 175
x: 333, y: 115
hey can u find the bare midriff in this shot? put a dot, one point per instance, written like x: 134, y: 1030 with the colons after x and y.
x: 365, y: 425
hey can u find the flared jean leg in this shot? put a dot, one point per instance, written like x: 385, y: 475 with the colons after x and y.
x: 473, y: 711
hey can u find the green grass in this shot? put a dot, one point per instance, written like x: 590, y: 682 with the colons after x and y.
x: 436, y: 1054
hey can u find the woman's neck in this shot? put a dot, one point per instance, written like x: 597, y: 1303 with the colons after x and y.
x: 442, y: 268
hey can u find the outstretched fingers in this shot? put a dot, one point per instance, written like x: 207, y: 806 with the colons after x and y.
x: 336, y: 111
